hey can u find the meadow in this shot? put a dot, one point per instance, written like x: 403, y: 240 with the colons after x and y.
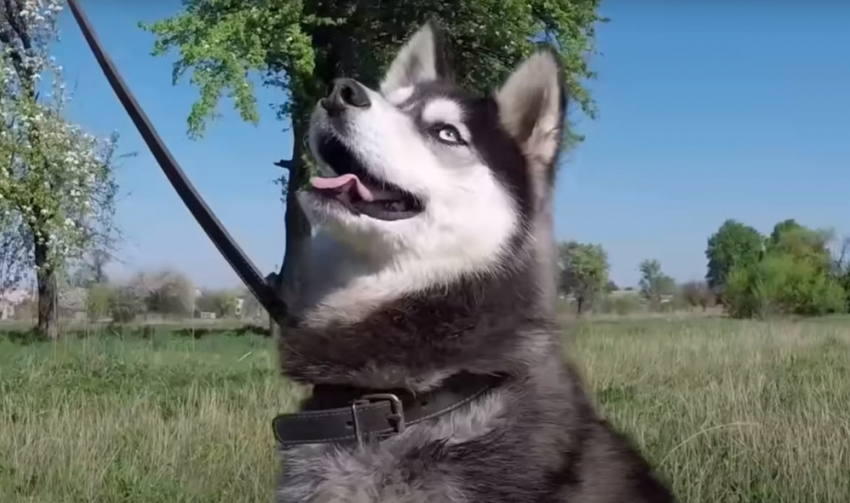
x: 728, y: 411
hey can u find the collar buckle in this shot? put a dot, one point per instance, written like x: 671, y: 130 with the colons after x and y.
x: 395, y: 418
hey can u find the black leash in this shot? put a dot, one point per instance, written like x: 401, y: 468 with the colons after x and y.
x: 247, y: 271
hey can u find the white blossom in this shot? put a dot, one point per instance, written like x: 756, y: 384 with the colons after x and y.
x: 56, y: 180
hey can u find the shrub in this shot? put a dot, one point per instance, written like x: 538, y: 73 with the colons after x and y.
x: 779, y: 284
x: 220, y: 302
x: 97, y: 301
x: 125, y: 304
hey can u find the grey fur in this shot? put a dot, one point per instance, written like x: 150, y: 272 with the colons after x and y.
x: 536, y: 438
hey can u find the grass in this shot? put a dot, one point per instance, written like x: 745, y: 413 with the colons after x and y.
x: 728, y: 411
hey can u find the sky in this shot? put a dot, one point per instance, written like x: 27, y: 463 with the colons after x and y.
x: 707, y: 111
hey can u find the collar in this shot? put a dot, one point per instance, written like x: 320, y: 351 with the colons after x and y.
x: 340, y: 414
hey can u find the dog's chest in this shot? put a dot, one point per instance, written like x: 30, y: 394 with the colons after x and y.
x: 324, y: 474
x: 402, y: 469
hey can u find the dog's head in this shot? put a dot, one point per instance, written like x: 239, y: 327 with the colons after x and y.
x: 425, y: 173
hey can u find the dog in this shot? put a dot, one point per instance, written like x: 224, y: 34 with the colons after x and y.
x: 426, y: 320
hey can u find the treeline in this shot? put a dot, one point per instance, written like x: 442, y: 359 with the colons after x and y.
x: 795, y: 270
x: 157, y: 295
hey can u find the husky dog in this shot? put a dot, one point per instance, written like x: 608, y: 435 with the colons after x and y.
x: 426, y: 322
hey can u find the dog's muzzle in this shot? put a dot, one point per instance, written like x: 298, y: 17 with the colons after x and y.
x: 345, y: 94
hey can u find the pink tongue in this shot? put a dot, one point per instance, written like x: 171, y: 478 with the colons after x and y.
x: 342, y: 183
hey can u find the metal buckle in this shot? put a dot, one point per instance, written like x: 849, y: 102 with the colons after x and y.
x: 396, y: 417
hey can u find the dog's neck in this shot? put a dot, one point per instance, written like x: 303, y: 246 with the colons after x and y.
x: 375, y: 328
x: 345, y: 282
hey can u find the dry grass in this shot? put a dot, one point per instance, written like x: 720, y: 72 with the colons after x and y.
x: 728, y: 411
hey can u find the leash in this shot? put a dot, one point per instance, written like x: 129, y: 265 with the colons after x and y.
x: 245, y: 269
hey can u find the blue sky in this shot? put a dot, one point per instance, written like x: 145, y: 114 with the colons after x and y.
x: 708, y: 111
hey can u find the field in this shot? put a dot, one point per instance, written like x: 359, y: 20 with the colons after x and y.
x: 728, y: 411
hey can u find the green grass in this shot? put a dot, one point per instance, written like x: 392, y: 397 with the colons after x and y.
x: 728, y: 411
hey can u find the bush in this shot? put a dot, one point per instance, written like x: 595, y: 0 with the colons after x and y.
x: 125, y: 304
x: 97, y: 302
x: 220, y: 302
x: 621, y: 304
x: 167, y: 293
x: 779, y: 284
x: 696, y: 294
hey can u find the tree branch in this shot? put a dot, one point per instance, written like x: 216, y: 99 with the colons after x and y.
x: 286, y: 164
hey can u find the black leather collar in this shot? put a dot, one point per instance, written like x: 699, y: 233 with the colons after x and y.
x: 340, y: 414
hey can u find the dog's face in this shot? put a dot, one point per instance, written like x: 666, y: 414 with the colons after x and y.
x: 425, y: 173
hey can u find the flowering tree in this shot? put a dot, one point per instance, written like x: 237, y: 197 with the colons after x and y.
x: 57, y: 189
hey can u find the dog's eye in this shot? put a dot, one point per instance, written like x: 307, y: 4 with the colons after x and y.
x: 448, y: 134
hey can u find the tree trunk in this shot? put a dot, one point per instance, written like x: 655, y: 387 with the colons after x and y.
x: 298, y: 230
x: 579, y: 305
x: 47, y: 326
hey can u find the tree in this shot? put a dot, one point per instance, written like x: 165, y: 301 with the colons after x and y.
x: 780, y: 284
x: 13, y: 251
x: 301, y: 47
x: 220, y: 302
x: 795, y: 275
x: 841, y: 267
x: 654, y: 284
x: 56, y: 181
x: 697, y: 294
x: 734, y: 243
x: 802, y: 243
x: 125, y: 304
x: 98, y: 300
x: 583, y: 271
x: 91, y: 269
x: 165, y: 292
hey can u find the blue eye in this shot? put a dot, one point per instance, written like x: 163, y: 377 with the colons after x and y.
x: 448, y: 134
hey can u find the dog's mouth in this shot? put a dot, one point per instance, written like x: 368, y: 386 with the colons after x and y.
x: 359, y: 191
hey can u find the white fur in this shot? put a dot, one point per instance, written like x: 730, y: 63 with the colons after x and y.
x: 398, y: 96
x: 468, y: 219
x: 469, y: 216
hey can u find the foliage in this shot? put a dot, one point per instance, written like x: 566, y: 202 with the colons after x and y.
x: 794, y: 277
x: 301, y: 47
x: 90, y: 270
x: 56, y: 181
x: 220, y: 302
x: 801, y: 243
x: 697, y: 294
x: 622, y: 304
x: 733, y: 244
x: 125, y: 304
x: 583, y: 271
x: 841, y: 267
x: 654, y: 284
x: 165, y: 292
x: 13, y: 250
x: 72, y: 299
x: 98, y: 301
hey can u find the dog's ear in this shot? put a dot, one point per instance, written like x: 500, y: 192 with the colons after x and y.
x: 532, y: 103
x: 421, y: 59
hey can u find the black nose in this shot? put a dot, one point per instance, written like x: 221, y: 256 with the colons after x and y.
x: 345, y: 93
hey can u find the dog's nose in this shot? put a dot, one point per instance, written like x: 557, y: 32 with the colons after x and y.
x: 345, y: 93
